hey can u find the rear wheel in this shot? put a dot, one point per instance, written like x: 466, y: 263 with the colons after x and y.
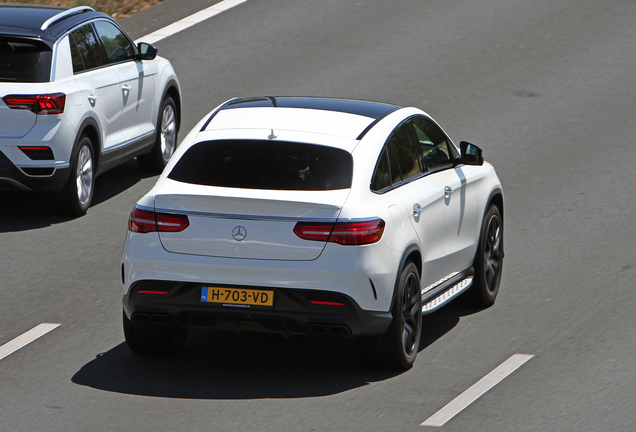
x: 398, y: 347
x: 166, y: 142
x: 488, y: 262
x: 76, y: 196
x: 144, y: 338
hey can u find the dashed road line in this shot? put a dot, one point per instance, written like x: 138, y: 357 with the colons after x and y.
x: 26, y: 338
x: 473, y: 393
x: 189, y: 21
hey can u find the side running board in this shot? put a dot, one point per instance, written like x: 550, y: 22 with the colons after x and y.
x: 447, y: 295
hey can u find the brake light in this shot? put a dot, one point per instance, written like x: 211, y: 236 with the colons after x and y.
x: 145, y: 221
x: 344, y: 233
x: 39, y: 104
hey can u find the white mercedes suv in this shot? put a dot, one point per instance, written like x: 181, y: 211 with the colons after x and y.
x: 312, y: 216
x: 78, y: 97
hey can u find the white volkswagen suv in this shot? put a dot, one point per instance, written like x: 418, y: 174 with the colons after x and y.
x: 78, y: 97
x: 312, y: 216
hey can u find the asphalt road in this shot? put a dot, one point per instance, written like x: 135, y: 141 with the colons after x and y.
x: 545, y: 87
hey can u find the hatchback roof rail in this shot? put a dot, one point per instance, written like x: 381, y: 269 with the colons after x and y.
x: 65, y: 14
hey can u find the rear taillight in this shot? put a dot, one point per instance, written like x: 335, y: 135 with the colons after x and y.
x: 40, y: 104
x: 344, y: 233
x: 145, y: 221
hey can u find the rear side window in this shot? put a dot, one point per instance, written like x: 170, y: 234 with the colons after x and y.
x: 255, y: 164
x: 24, y: 61
x: 86, y: 50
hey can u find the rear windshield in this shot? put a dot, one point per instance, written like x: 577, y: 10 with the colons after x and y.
x: 273, y: 165
x: 24, y: 61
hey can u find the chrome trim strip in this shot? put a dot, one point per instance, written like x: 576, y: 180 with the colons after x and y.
x: 38, y: 176
x: 240, y: 217
x: 76, y: 10
x: 47, y: 165
x: 124, y: 144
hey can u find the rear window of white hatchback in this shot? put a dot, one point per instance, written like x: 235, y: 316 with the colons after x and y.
x: 268, y: 165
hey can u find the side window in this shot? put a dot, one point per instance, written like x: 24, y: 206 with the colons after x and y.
x: 405, y: 153
x: 118, y: 47
x: 434, y: 144
x: 88, y: 47
x: 78, y: 64
x: 381, y: 176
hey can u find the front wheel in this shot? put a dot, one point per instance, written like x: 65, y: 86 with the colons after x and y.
x: 166, y: 142
x: 398, y: 347
x: 488, y: 262
x: 76, y: 196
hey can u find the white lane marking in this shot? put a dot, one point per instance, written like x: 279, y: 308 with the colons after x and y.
x: 26, y: 338
x: 189, y: 21
x: 476, y: 390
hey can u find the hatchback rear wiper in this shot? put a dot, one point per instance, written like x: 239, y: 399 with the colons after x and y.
x: 8, y: 79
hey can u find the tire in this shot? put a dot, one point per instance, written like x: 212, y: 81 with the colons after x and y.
x: 144, y: 338
x: 398, y: 347
x: 77, y: 194
x: 166, y: 142
x: 488, y: 262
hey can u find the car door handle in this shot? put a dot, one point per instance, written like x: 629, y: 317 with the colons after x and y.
x: 448, y: 191
x: 92, y: 99
x: 125, y: 88
x: 417, y: 209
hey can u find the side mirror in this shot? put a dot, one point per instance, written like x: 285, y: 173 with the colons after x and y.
x: 471, y: 154
x: 146, y: 51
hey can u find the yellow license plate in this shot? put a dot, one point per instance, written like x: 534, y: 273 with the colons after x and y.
x: 237, y: 296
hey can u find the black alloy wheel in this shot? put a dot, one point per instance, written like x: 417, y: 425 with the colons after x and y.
x: 488, y: 262
x: 398, y: 347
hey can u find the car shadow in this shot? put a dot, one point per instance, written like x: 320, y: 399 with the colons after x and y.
x: 23, y: 211
x: 227, y: 366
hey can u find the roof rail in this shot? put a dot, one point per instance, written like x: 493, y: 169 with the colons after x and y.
x: 65, y: 14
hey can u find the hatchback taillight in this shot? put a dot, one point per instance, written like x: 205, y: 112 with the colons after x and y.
x: 39, y: 104
x: 145, y: 221
x: 344, y: 233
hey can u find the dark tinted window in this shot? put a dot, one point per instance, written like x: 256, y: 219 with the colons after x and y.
x: 118, y: 46
x: 404, y: 150
x: 24, y: 61
x: 265, y: 165
x: 381, y: 176
x: 434, y: 144
x: 89, y: 48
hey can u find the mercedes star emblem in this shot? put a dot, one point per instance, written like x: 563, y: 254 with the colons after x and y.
x: 239, y: 233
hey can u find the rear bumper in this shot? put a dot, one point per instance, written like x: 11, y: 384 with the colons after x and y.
x: 292, y: 312
x: 45, y: 178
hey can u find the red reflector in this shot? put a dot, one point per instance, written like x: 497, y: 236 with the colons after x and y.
x: 344, y: 233
x: 39, y: 104
x: 151, y: 292
x: 325, y: 303
x: 145, y: 221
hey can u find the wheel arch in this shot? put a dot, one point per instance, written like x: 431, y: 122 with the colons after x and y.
x: 412, y: 254
x: 90, y: 128
x: 172, y: 90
